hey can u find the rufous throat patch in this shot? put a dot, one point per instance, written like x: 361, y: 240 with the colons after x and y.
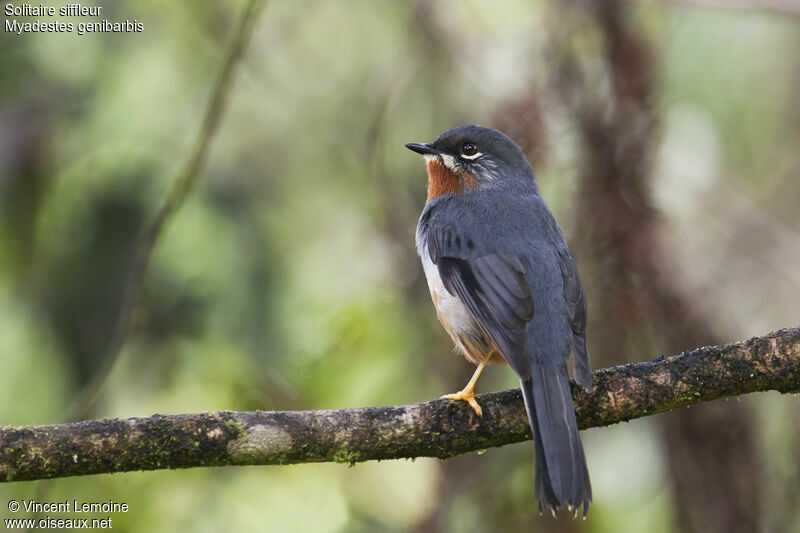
x: 442, y: 181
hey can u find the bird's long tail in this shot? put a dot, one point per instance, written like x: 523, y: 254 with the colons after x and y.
x: 561, y: 478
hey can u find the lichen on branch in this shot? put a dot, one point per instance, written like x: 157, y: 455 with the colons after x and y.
x: 439, y: 428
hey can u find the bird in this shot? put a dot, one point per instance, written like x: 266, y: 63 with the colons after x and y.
x: 506, y: 289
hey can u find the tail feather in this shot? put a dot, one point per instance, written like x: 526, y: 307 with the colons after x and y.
x: 561, y: 478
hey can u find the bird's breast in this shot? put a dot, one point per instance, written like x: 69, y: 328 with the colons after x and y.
x: 454, y: 315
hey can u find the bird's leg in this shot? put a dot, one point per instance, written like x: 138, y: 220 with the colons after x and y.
x: 467, y: 394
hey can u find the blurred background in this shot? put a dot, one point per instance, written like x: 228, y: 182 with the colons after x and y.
x: 665, y: 136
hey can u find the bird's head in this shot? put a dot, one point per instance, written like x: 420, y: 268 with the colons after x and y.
x: 471, y: 158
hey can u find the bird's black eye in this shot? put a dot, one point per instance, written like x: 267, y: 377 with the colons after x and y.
x: 469, y: 149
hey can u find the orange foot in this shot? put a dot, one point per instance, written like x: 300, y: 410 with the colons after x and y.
x: 467, y: 395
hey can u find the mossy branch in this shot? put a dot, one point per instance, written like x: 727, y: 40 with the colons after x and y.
x: 439, y: 428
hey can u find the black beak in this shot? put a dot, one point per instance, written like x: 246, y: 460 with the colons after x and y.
x: 423, y: 148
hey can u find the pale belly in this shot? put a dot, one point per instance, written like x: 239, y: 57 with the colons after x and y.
x: 456, y: 318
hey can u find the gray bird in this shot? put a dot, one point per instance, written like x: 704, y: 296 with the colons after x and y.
x: 506, y: 288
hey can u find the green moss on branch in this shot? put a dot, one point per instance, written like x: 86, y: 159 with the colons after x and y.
x: 439, y: 428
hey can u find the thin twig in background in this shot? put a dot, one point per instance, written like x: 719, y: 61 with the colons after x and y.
x: 185, y: 180
x: 439, y: 428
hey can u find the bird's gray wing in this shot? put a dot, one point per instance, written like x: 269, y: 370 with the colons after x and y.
x: 491, y: 285
x: 576, y: 312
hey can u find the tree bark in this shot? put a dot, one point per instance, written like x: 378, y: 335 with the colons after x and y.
x: 439, y: 428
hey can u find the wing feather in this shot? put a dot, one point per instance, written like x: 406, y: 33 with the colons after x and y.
x: 576, y: 310
x: 493, y: 288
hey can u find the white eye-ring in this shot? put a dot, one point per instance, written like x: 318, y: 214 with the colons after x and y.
x: 470, y: 151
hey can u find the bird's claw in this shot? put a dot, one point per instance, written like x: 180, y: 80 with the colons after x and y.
x: 466, y: 396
